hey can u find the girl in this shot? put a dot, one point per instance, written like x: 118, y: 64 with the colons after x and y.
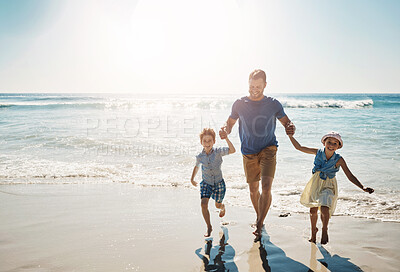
x: 321, y: 190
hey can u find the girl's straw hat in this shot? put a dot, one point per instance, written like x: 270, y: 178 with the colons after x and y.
x: 335, y: 135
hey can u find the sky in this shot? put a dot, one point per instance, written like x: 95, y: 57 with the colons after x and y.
x: 195, y: 47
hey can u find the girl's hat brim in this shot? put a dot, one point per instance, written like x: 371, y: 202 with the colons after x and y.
x: 334, y: 135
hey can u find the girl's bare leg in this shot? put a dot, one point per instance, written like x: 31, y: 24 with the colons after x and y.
x: 325, y: 221
x: 206, y: 215
x: 313, y: 219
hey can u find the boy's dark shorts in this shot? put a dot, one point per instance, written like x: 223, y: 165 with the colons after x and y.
x: 216, y: 192
x: 260, y: 164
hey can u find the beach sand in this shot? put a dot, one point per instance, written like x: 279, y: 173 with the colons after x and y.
x: 120, y: 227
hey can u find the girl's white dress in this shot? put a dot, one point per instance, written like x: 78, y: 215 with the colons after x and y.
x: 321, y: 189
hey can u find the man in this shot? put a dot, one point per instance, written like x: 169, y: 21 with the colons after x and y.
x: 257, y: 116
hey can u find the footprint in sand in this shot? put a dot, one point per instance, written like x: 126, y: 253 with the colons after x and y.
x: 230, y: 223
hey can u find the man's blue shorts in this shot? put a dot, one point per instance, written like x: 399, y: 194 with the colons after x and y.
x: 216, y: 192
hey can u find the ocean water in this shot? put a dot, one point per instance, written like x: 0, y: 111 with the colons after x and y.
x: 152, y: 140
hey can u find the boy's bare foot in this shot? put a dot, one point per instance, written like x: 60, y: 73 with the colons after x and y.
x: 313, y: 238
x: 209, y: 230
x: 222, y: 211
x: 324, y: 237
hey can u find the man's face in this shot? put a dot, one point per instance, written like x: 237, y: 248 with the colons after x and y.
x: 256, y: 89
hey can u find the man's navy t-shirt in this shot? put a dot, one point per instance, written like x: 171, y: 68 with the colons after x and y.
x: 257, y: 122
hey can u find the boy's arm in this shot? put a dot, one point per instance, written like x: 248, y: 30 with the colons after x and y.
x: 230, y: 145
x: 352, y: 178
x: 194, y: 173
x: 301, y: 148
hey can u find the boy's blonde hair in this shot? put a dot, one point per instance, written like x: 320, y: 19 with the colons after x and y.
x: 207, y: 131
x: 258, y: 73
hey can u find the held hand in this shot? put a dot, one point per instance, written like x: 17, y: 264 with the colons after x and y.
x: 368, y: 190
x: 222, y: 133
x: 194, y: 183
x: 290, y: 129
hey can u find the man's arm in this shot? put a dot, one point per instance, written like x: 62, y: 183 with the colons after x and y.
x: 288, y: 125
x: 227, y: 128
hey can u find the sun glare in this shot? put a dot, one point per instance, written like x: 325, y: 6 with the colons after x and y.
x: 183, y: 38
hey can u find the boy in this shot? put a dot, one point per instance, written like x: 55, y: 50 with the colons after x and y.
x: 212, y: 185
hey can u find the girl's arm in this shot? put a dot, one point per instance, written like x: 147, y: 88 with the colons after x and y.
x: 195, y: 170
x: 301, y: 148
x: 352, y: 178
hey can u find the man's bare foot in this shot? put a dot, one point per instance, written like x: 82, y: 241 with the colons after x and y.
x: 313, y: 238
x: 257, y: 238
x: 257, y: 233
x: 209, y: 230
x: 324, y: 237
x: 222, y: 211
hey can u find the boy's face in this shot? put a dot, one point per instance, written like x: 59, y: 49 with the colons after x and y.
x: 332, y: 144
x: 256, y: 89
x: 207, y: 142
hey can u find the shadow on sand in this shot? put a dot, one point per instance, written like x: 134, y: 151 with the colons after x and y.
x: 334, y: 263
x: 220, y: 257
x: 274, y: 258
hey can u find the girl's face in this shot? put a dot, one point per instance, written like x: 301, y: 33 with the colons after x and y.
x: 332, y: 144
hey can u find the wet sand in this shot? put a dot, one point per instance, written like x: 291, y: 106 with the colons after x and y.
x: 123, y: 227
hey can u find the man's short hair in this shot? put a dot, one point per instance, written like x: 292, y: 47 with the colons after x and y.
x: 258, y: 73
x: 207, y: 131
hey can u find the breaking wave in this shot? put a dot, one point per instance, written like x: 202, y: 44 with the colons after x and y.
x: 181, y: 103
